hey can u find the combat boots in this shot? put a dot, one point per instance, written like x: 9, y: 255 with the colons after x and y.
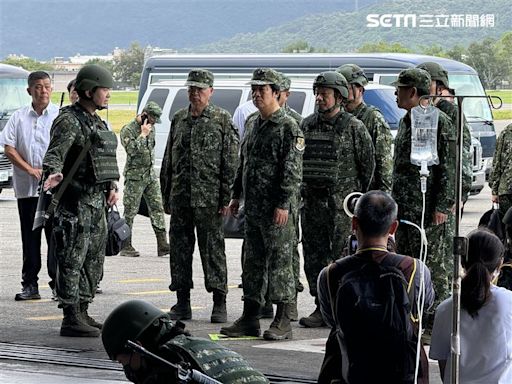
x: 248, y: 324
x: 280, y: 329
x: 219, y: 312
x: 74, y: 326
x: 163, y: 247
x: 294, y: 313
x: 181, y: 310
x: 267, y: 311
x: 88, y: 319
x: 128, y: 250
x: 315, y: 320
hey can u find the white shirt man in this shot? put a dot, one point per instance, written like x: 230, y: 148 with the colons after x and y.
x: 25, y: 139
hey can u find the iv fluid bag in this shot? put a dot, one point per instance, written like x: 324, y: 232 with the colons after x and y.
x: 424, y: 135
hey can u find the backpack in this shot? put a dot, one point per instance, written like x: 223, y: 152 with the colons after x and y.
x: 117, y: 232
x: 372, y: 312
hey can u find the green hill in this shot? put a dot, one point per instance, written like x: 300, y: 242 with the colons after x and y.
x: 345, y: 32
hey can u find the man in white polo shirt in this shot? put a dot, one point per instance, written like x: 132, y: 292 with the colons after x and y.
x: 25, y: 139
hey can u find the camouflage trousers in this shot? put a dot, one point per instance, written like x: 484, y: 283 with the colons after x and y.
x: 325, y: 230
x: 79, y: 239
x: 505, y: 204
x: 439, y: 253
x: 149, y: 188
x: 268, y: 260
x: 210, y: 238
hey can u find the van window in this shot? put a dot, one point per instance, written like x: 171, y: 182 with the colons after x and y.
x: 385, y: 100
x: 228, y: 99
x: 475, y: 109
x: 13, y: 95
x: 159, y: 96
x: 296, y: 101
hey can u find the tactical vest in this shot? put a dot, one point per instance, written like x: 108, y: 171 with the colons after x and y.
x: 103, y: 156
x: 215, y: 360
x: 320, y: 159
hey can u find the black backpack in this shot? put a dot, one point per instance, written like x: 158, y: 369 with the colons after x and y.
x: 372, y: 311
x: 117, y: 232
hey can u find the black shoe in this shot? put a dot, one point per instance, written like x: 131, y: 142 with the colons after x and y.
x: 29, y: 292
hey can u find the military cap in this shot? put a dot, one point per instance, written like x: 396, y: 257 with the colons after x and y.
x: 436, y: 72
x: 263, y: 76
x: 413, y: 77
x: 285, y: 82
x: 154, y: 110
x: 200, y: 78
x: 354, y: 74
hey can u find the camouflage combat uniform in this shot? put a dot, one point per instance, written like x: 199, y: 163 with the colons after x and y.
x: 80, y: 226
x: 439, y: 197
x: 500, y: 179
x: 140, y: 178
x: 347, y: 166
x: 269, y: 174
x: 382, y: 140
x: 197, y: 170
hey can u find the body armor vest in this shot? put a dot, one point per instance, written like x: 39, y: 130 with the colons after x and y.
x: 215, y: 360
x: 103, y: 156
x: 320, y: 159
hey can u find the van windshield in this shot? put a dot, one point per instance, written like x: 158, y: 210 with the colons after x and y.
x: 475, y: 109
x: 13, y: 95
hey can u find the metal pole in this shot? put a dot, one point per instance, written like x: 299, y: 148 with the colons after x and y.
x: 458, y: 250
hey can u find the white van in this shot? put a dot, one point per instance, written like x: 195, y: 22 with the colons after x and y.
x: 172, y: 95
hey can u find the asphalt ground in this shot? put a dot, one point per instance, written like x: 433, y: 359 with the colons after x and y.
x: 31, y: 350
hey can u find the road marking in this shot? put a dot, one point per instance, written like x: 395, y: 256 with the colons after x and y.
x: 311, y: 345
x: 221, y: 337
x: 142, y: 293
x: 141, y: 280
x: 43, y: 318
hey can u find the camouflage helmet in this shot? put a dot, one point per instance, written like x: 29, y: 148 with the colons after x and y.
x: 414, y: 77
x: 354, y: 74
x: 92, y: 76
x: 127, y: 322
x: 334, y: 80
x: 436, y: 72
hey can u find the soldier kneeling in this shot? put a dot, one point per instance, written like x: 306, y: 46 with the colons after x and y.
x: 151, y: 328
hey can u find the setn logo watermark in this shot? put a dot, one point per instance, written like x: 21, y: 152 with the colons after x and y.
x: 411, y: 20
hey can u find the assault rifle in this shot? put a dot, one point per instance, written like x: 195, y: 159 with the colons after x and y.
x: 185, y: 374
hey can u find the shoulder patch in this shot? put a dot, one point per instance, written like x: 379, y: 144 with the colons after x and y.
x: 300, y: 144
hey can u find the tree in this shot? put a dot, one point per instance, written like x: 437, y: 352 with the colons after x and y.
x: 504, y: 53
x: 383, y: 46
x: 128, y: 65
x: 483, y: 57
x: 298, y: 46
x: 434, y: 50
x: 109, y: 65
x: 28, y: 64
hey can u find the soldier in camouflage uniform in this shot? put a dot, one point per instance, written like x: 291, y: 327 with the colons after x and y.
x: 140, y: 180
x: 141, y: 322
x: 438, y: 86
x: 413, y: 83
x: 80, y: 226
x: 269, y: 175
x: 500, y: 179
x: 339, y: 159
x: 197, y: 171
x: 374, y: 121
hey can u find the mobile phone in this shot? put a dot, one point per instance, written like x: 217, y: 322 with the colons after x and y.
x: 144, y: 119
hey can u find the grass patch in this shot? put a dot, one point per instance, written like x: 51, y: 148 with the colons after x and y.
x: 502, y: 114
x: 116, y: 97
x: 505, y: 94
x: 117, y: 118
